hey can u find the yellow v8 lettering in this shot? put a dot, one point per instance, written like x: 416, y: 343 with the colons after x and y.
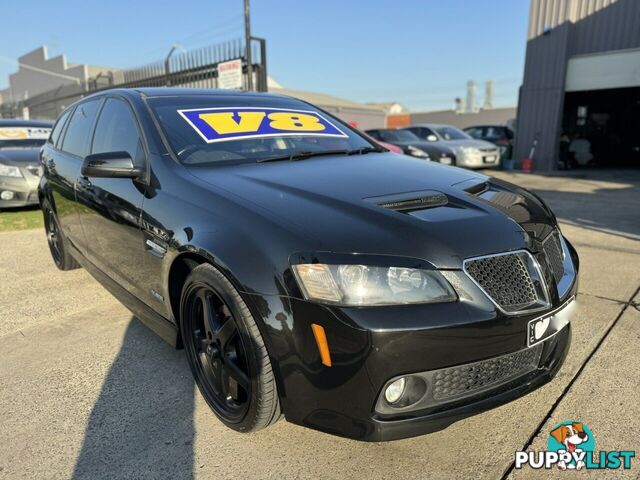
x: 223, y: 122
x: 233, y: 123
x: 295, y: 122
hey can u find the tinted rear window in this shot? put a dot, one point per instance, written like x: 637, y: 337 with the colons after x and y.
x: 398, y: 136
x: 57, y: 129
x: 78, y: 136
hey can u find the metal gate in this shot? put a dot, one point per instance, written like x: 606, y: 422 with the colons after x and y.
x: 194, y: 69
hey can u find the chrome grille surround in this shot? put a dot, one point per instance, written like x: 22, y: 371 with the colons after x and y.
x: 513, y: 281
x: 552, y: 248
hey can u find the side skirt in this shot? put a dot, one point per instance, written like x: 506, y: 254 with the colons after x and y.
x: 157, y: 323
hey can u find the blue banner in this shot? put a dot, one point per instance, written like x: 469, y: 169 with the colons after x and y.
x: 233, y: 123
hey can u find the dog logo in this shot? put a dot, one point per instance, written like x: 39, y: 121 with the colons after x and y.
x: 571, y: 437
x: 571, y: 446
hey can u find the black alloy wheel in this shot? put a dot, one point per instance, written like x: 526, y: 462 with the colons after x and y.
x: 55, y: 238
x: 226, y: 352
x: 221, y: 354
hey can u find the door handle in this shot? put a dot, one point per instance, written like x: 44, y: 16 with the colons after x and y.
x: 83, y: 183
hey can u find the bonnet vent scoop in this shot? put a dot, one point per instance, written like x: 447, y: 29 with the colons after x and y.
x: 407, y: 202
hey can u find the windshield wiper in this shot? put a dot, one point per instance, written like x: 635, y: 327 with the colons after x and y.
x: 308, y: 154
x: 303, y: 155
x: 364, y: 150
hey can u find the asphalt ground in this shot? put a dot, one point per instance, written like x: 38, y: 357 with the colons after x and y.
x: 87, y: 391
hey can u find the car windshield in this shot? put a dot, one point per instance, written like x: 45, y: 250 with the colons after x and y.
x: 13, y: 137
x: 451, y: 133
x: 398, y: 136
x: 215, y: 129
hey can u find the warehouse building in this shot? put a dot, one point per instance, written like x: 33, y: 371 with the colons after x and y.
x: 359, y: 115
x: 580, y: 98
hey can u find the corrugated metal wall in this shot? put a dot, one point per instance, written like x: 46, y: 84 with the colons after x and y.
x: 546, y: 14
x: 573, y: 27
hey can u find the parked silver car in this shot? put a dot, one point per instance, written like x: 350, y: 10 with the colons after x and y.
x: 20, y: 170
x: 469, y: 152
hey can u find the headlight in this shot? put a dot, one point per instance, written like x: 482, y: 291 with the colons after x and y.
x: 467, y: 150
x: 417, y: 152
x: 363, y: 285
x: 9, y: 171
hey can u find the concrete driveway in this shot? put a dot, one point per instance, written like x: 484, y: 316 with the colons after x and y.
x: 86, y: 391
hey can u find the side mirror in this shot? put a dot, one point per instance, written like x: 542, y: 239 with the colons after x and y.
x: 110, y: 165
x: 432, y: 138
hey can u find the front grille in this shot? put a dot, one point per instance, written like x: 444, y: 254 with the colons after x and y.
x: 467, y: 380
x: 490, y: 149
x: 553, y: 251
x: 505, y: 278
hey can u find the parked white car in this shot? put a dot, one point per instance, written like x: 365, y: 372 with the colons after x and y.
x: 469, y: 152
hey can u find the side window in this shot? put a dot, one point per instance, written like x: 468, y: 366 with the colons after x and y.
x: 375, y: 134
x: 494, y: 132
x: 57, y: 128
x: 428, y: 134
x: 78, y: 137
x: 475, y: 132
x: 117, y: 131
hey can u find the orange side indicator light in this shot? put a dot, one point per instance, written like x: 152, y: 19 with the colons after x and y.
x: 321, y: 341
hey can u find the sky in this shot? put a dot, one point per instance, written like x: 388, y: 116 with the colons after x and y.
x: 420, y: 53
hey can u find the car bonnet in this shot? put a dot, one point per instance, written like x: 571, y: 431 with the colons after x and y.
x: 342, y: 203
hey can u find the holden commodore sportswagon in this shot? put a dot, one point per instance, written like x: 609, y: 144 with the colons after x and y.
x: 300, y: 264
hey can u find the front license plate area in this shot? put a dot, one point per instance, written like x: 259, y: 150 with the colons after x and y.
x: 541, y: 328
x: 490, y: 159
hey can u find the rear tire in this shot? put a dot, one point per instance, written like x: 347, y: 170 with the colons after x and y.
x: 226, y: 352
x: 57, y: 241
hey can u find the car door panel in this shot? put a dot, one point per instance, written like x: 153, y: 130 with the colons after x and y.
x: 63, y: 161
x: 112, y: 207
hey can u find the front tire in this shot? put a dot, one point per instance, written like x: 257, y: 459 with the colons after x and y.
x: 226, y: 352
x: 56, y: 240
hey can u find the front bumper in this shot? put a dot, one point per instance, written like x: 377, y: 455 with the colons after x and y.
x: 371, y: 346
x: 418, y: 423
x: 24, y: 191
x: 478, y: 159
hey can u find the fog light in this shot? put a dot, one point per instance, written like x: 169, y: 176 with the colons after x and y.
x: 395, y: 390
x: 6, y: 195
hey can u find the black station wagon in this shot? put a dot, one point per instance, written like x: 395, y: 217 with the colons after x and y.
x: 306, y: 271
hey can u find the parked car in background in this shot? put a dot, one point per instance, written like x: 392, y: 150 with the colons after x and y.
x: 469, y: 152
x: 390, y: 147
x: 412, y: 145
x: 500, y: 135
x: 20, y: 141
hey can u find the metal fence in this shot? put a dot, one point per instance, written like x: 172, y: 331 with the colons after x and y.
x: 195, y: 69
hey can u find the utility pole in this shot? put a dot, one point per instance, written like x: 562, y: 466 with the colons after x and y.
x: 247, y: 35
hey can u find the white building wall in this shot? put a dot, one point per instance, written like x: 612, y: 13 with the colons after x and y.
x: 37, y: 73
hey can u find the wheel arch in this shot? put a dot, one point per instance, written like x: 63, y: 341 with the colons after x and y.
x: 183, y: 264
x: 180, y: 268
